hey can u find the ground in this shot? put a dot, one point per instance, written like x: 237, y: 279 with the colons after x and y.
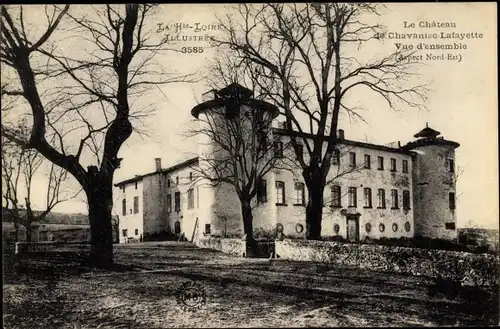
x: 142, y: 292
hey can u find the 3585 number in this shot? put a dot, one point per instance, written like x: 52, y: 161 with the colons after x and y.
x: 192, y: 50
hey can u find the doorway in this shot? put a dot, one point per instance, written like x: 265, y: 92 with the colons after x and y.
x: 352, y: 228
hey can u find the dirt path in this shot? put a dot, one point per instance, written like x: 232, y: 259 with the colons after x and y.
x: 239, y: 293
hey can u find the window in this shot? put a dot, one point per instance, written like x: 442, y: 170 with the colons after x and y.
x: 262, y: 191
x: 394, y: 227
x: 169, y: 203
x: 177, y: 180
x: 406, y: 200
x: 124, y: 207
x: 280, y: 192
x: 380, y: 163
x: 381, y: 198
x: 452, y: 200
x: 168, y: 182
x: 177, y: 227
x: 336, y: 228
x: 123, y: 188
x: 368, y: 197
x: 381, y: 227
x: 394, y: 199
x: 393, y: 164
x: 336, y: 199
x: 190, y: 193
x: 367, y: 161
x: 278, y: 149
x: 368, y: 227
x: 451, y: 165
x: 136, y: 231
x: 336, y: 157
x: 177, y: 200
x: 352, y: 159
x: 449, y: 226
x: 352, y: 197
x: 300, y: 193
x: 136, y: 205
x: 125, y: 233
x: 300, y: 151
x: 190, y: 176
x: 405, y: 166
x: 207, y: 228
x: 136, y: 185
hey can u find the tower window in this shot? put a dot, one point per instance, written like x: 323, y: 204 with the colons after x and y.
x: 300, y: 151
x: 452, y: 200
x: 451, y: 165
x: 278, y: 149
x: 207, y: 228
x: 262, y: 191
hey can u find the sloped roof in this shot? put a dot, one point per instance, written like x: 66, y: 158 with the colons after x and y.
x: 184, y: 164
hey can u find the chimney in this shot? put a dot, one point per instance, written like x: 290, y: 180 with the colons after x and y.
x: 158, y: 164
x: 341, y: 134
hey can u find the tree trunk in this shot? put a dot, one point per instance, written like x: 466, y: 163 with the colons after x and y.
x: 100, y: 203
x: 314, y: 208
x: 246, y: 210
x: 28, y: 232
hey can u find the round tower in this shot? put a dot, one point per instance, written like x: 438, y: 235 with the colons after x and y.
x: 227, y: 119
x: 434, y: 185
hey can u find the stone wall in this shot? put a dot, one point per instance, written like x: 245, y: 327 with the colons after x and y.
x: 470, y: 269
x: 229, y: 246
x: 43, y: 247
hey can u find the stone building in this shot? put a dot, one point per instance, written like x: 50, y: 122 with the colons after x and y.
x: 374, y: 191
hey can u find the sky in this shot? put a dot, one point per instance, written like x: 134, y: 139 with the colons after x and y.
x: 462, y: 104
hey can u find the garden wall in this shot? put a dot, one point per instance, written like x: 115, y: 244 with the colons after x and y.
x: 228, y: 246
x: 49, y: 246
x: 470, y: 269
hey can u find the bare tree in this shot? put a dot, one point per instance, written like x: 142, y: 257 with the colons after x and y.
x: 19, y: 169
x: 312, y: 55
x: 87, y: 94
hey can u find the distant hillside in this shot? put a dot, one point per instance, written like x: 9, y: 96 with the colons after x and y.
x: 55, y: 218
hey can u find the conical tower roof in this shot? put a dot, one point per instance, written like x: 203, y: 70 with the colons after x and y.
x: 427, y: 133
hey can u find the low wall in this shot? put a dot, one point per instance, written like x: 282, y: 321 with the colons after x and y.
x: 470, y: 269
x: 228, y: 246
x: 49, y: 246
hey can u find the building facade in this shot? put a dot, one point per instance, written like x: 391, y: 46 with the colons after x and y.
x: 373, y: 191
